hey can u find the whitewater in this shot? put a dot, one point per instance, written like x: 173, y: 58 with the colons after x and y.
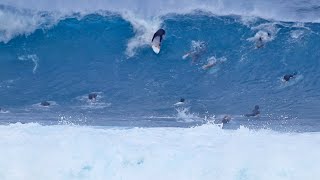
x: 60, y: 51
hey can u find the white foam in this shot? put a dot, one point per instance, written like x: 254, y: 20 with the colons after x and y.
x: 273, y: 9
x: 23, y: 17
x: 31, y: 57
x: 184, y: 114
x: 15, y: 22
x: 297, y: 34
x: 31, y: 151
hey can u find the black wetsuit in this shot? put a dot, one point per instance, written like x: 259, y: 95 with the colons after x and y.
x: 45, y: 103
x: 160, y: 32
x: 255, y: 112
x: 92, y: 96
x: 287, y: 77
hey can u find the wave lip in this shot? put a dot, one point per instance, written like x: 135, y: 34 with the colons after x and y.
x: 19, y: 17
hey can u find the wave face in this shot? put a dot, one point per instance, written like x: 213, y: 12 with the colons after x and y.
x: 62, y: 54
x: 206, y: 152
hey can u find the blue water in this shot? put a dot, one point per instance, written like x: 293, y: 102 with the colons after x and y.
x: 60, y: 53
x: 78, y: 56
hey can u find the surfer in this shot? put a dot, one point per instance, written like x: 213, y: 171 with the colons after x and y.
x: 45, y: 103
x: 259, y: 43
x: 262, y: 38
x: 287, y: 77
x: 160, y: 33
x: 209, y: 65
x: 156, y: 40
x: 255, y: 112
x: 198, y: 48
x: 181, y: 101
x: 92, y: 96
x: 226, y: 119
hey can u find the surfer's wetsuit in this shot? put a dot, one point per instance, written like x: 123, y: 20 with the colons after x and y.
x: 255, y: 112
x: 287, y: 77
x: 160, y: 32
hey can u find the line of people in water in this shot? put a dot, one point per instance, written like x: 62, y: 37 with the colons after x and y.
x: 194, y: 54
x: 91, y: 96
x: 227, y: 118
x: 199, y: 48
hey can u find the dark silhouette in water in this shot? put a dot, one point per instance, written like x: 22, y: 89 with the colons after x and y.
x: 45, y: 103
x: 182, y: 100
x: 254, y: 113
x: 92, y: 96
x: 160, y: 32
x: 287, y: 77
x: 226, y: 119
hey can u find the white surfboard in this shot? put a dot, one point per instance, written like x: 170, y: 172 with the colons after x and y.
x: 156, y: 45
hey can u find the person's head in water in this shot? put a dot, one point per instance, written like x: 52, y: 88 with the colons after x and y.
x: 226, y: 119
x: 45, y: 103
x: 92, y: 96
x: 287, y: 77
x: 182, y: 100
x: 255, y: 112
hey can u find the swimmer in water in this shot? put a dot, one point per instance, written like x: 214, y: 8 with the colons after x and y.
x: 92, y: 96
x: 209, y: 65
x: 288, y: 77
x: 261, y: 40
x: 181, y: 101
x: 196, y: 51
x: 259, y: 43
x: 45, y: 103
x: 226, y: 119
x: 254, y: 113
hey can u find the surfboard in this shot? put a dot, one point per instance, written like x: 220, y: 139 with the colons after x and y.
x: 156, y: 45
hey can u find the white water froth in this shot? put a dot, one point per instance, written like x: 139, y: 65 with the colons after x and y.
x: 20, y: 17
x: 15, y: 22
x: 31, y: 57
x: 31, y: 151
